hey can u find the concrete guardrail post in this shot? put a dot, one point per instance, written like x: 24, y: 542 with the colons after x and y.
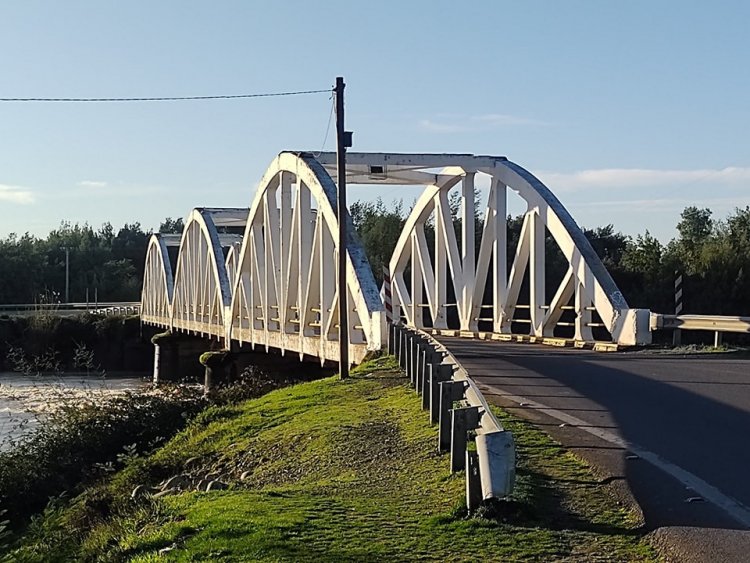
x: 473, y: 481
x: 423, y: 349
x: 462, y: 420
x: 497, y: 463
x: 450, y: 391
x: 416, y: 346
x: 438, y: 374
x: 396, y: 341
x: 409, y: 353
x: 403, y: 348
x: 431, y: 358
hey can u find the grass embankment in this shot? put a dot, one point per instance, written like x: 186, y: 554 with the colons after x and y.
x: 334, y: 470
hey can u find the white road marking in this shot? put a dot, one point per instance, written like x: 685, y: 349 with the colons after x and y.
x: 731, y: 506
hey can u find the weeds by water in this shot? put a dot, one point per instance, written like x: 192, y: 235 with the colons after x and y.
x: 82, y: 435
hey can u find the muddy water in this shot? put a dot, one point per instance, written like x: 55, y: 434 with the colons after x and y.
x: 26, y: 400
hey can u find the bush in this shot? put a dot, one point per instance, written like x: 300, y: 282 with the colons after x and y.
x: 83, y: 440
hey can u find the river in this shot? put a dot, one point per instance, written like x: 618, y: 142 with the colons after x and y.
x: 26, y: 400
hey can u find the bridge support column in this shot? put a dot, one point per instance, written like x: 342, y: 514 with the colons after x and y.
x: 166, y: 357
x: 176, y: 356
x: 216, y: 366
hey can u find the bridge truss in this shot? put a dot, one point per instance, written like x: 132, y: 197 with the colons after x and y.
x: 266, y: 276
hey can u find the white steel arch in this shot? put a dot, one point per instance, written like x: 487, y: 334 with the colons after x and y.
x: 232, y: 261
x: 275, y: 286
x: 202, y: 292
x: 586, y: 286
x: 285, y: 295
x: 158, y: 283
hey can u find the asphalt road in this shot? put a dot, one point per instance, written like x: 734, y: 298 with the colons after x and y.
x: 674, y: 429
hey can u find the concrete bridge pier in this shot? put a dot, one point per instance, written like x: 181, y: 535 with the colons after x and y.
x: 177, y: 357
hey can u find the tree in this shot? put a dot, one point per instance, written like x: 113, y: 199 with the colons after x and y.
x: 172, y: 226
x: 379, y: 229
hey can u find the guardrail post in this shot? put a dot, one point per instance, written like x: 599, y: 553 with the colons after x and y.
x: 462, y: 420
x: 497, y: 463
x: 403, y: 348
x: 414, y: 347
x: 450, y: 391
x: 408, y: 344
x: 717, y: 339
x: 438, y: 374
x: 431, y: 358
x: 407, y: 351
x: 473, y: 481
x: 396, y: 341
x: 425, y: 352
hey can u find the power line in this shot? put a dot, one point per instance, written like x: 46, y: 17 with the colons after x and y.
x: 169, y: 98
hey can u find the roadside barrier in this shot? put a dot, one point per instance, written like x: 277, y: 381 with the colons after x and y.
x: 477, y: 442
x: 62, y: 309
x: 717, y: 324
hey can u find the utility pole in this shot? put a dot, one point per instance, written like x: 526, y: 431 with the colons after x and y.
x: 67, y: 273
x: 343, y: 140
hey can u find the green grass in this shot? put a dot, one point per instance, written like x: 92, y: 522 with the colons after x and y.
x: 337, y: 471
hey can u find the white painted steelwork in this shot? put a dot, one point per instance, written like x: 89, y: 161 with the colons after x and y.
x: 158, y: 283
x: 585, y: 287
x: 276, y: 287
x: 286, y: 295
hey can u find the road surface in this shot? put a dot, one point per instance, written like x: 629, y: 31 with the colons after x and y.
x: 674, y: 428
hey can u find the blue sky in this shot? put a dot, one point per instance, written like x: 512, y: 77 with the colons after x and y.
x: 629, y: 111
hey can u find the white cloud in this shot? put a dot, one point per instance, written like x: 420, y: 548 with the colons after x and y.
x: 643, y: 178
x: 95, y: 184
x: 455, y: 123
x: 16, y: 194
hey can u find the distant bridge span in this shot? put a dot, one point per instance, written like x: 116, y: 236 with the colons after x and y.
x: 266, y: 276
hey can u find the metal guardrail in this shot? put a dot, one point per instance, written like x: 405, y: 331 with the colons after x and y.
x: 713, y: 323
x: 106, y: 308
x: 456, y: 404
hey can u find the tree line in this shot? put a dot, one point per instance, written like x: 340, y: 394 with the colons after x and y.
x: 104, y: 264
x: 712, y: 255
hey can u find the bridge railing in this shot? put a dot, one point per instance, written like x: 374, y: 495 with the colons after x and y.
x: 717, y: 324
x: 104, y: 308
x: 457, y: 406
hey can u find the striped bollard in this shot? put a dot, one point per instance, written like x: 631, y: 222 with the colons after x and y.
x: 387, y: 297
x: 677, y: 334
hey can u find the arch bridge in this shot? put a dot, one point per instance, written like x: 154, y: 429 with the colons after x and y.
x: 265, y: 276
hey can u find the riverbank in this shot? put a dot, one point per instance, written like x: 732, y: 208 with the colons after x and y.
x: 332, y: 470
x: 52, y: 344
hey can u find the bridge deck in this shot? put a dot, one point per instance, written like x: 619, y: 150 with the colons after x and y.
x: 692, y: 412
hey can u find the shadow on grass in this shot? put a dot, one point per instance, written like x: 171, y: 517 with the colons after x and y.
x: 541, y: 504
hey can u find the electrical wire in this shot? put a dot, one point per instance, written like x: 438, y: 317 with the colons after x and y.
x: 170, y: 98
x: 328, y: 128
